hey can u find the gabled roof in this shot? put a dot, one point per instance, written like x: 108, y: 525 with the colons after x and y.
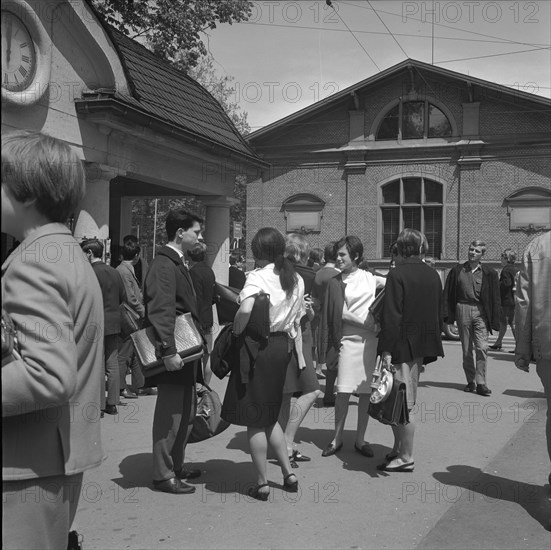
x: 159, y: 89
x: 387, y: 73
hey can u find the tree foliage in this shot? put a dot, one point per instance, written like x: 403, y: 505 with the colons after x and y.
x: 171, y: 27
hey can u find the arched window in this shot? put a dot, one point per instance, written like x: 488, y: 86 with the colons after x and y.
x: 414, y: 120
x: 416, y: 203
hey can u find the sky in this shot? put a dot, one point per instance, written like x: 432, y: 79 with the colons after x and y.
x: 292, y: 54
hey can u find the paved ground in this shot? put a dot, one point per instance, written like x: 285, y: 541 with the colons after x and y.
x: 480, y: 479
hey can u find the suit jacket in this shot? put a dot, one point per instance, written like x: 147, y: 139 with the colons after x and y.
x: 533, y: 300
x: 113, y: 293
x: 203, y: 282
x: 134, y: 296
x: 168, y: 292
x: 50, y: 397
x: 411, y: 323
x: 236, y: 277
x: 489, y: 295
x: 330, y: 329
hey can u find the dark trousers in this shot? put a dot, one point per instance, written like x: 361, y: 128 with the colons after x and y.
x: 38, y: 513
x: 172, y: 423
x: 129, y: 359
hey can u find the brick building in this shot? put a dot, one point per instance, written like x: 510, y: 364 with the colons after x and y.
x: 413, y: 146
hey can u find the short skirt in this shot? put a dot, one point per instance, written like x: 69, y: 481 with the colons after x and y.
x: 256, y: 402
x: 301, y: 381
x: 357, y: 357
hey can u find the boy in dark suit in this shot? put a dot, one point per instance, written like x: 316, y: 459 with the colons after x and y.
x: 169, y: 292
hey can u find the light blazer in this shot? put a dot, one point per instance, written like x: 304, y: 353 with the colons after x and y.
x: 533, y: 300
x: 50, y: 397
x: 134, y: 296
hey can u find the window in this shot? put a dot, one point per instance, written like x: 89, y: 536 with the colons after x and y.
x: 303, y: 213
x: 416, y: 203
x: 414, y: 120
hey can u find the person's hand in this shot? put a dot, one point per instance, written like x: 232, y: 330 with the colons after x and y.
x: 387, y: 360
x: 173, y: 362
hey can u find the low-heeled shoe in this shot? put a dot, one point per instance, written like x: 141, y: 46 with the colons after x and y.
x: 127, y: 394
x: 470, y: 387
x: 364, y: 450
x: 174, y: 486
x: 299, y: 457
x: 481, y: 389
x: 331, y: 449
x: 111, y: 409
x: 406, y: 467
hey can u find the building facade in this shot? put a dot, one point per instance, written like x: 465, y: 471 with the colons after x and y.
x: 413, y: 146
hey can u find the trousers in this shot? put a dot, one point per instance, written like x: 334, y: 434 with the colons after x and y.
x: 472, y: 326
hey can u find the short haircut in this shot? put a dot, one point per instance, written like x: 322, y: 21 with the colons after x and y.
x: 480, y: 244
x: 198, y: 253
x: 93, y: 245
x: 509, y: 255
x: 297, y: 248
x: 130, y: 239
x: 329, y: 252
x: 44, y: 169
x: 411, y: 242
x: 354, y: 246
x: 315, y: 256
x: 180, y: 218
x: 393, y: 249
x: 235, y: 258
x: 129, y: 250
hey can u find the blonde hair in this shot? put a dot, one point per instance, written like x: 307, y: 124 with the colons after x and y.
x: 297, y: 248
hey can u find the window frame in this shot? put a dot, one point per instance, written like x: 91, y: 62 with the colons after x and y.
x: 384, y: 254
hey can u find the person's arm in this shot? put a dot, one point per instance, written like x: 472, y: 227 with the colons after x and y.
x: 392, y: 317
x: 243, y: 315
x: 523, y: 313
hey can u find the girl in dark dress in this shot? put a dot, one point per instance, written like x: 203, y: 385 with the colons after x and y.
x: 253, y: 398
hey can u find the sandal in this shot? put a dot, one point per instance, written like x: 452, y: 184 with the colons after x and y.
x: 255, y: 492
x: 299, y: 457
x: 290, y: 486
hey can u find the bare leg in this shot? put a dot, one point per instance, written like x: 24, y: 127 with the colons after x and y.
x: 258, y: 445
x: 298, y: 410
x: 341, y: 411
x: 276, y: 439
x: 405, y: 434
x: 363, y: 418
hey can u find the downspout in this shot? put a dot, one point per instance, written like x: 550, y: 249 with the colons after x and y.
x: 458, y: 244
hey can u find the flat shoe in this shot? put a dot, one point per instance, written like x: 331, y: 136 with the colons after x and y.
x: 299, y: 457
x: 481, y: 389
x: 364, y: 450
x: 406, y: 467
x: 255, y: 492
x: 187, y: 474
x: 331, y: 449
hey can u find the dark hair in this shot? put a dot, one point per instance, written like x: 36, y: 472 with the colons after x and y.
x: 411, y: 242
x: 94, y: 246
x: 509, y: 255
x: 129, y: 250
x: 330, y: 253
x: 44, y: 169
x: 354, y: 246
x: 198, y: 253
x: 316, y: 254
x: 364, y: 264
x: 180, y: 219
x: 234, y: 258
x: 130, y: 239
x: 269, y: 244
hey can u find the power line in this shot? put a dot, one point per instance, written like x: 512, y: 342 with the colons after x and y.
x: 490, y: 55
x: 445, y: 26
x: 329, y: 3
x: 390, y: 32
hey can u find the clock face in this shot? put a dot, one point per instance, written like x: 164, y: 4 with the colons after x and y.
x: 18, y: 54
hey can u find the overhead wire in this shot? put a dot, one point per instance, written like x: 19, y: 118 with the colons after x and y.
x: 389, y: 31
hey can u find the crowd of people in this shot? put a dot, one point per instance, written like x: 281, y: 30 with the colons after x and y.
x: 318, y: 312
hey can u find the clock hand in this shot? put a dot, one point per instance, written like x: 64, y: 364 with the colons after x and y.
x: 8, y: 40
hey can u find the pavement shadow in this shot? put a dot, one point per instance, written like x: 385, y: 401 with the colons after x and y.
x: 135, y: 471
x: 450, y: 385
x: 239, y: 441
x: 533, y: 498
x: 525, y: 394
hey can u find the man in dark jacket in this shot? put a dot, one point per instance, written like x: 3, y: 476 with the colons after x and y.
x: 169, y: 292
x: 203, y: 282
x: 112, y: 290
x: 471, y: 299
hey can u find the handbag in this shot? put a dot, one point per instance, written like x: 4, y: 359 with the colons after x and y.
x: 393, y: 410
x: 225, y: 298
x: 208, y: 421
x: 381, y: 383
x: 188, y: 340
x: 130, y: 320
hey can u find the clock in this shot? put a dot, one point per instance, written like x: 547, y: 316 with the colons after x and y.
x: 19, y: 57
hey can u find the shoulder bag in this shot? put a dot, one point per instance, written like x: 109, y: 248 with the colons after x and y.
x: 189, y: 345
x: 388, y: 402
x: 130, y: 321
x: 225, y: 298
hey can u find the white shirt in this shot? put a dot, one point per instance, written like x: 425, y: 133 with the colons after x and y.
x: 360, y: 291
x: 285, y: 313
